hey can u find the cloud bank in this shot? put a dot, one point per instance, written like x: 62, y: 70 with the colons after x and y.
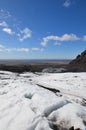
x: 65, y: 37
x: 5, y: 49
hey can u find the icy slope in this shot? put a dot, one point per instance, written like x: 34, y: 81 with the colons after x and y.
x: 24, y: 105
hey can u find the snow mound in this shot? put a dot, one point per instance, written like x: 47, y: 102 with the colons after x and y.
x: 54, y: 107
x: 69, y: 115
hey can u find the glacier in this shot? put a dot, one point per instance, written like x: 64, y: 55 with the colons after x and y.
x: 26, y: 105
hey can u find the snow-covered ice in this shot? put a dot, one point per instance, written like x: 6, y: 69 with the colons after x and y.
x: 25, y: 105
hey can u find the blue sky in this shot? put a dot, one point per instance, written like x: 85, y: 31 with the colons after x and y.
x: 42, y: 29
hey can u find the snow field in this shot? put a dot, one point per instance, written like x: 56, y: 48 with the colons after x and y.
x: 26, y: 106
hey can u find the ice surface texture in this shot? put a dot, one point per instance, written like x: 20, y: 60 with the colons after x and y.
x: 26, y: 106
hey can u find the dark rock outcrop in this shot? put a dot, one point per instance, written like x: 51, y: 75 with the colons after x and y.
x: 78, y: 64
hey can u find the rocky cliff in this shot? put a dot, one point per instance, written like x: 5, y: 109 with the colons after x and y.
x: 79, y: 63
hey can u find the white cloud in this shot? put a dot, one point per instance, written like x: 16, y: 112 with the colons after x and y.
x: 48, y: 38
x: 21, y: 34
x: 23, y: 49
x: 8, y: 31
x: 65, y: 37
x: 69, y: 37
x: 9, y: 49
x: 37, y: 49
x: 84, y: 38
x: 24, y: 34
x: 5, y: 49
x: 67, y: 3
x: 1, y: 48
x: 16, y: 49
x: 4, y: 14
x: 3, y: 24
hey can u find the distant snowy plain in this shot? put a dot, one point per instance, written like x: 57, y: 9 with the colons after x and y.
x: 25, y: 105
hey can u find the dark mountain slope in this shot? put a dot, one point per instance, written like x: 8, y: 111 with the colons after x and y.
x: 79, y: 63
